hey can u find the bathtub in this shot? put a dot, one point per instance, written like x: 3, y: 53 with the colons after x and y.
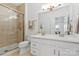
x: 8, y: 48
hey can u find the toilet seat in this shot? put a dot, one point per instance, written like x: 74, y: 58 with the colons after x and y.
x: 23, y: 44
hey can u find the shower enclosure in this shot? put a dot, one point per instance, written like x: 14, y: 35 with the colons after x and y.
x: 11, y: 29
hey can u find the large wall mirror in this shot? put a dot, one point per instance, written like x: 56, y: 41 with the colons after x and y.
x: 59, y: 20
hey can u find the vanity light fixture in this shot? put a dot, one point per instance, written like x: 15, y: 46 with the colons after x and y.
x: 50, y: 7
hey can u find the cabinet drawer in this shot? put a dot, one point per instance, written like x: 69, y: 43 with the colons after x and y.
x: 34, y: 45
x: 35, y: 52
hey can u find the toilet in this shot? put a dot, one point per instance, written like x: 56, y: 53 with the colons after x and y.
x: 24, y: 47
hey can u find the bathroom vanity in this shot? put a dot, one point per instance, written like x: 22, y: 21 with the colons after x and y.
x: 54, y: 45
x: 61, y: 21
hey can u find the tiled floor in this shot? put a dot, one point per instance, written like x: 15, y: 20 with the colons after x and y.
x: 16, y: 52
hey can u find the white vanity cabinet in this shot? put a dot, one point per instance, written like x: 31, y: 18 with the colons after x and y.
x: 41, y: 46
x: 35, y: 48
x: 47, y: 50
x: 57, y: 48
x: 67, y: 52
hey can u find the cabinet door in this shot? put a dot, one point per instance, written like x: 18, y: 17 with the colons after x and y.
x: 64, y: 52
x: 69, y: 52
x: 47, y: 50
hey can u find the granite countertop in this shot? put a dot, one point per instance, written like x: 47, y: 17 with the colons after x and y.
x: 67, y: 38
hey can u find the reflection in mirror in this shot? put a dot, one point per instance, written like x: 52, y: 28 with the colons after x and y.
x: 61, y: 25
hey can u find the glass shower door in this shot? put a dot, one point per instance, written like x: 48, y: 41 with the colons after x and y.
x: 8, y: 27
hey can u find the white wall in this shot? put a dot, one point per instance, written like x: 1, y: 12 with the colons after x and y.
x: 33, y: 9
x: 31, y: 12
